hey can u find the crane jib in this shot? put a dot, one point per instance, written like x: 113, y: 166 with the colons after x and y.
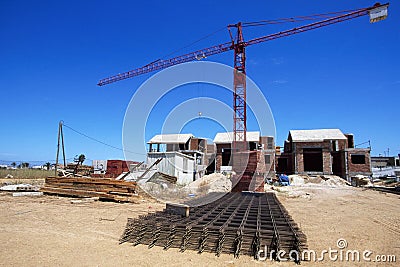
x: 377, y: 12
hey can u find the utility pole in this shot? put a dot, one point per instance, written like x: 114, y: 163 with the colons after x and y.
x: 60, y: 138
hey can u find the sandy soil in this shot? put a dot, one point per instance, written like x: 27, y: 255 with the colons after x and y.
x: 52, y: 231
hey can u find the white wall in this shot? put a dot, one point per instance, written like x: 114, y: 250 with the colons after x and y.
x: 172, y: 164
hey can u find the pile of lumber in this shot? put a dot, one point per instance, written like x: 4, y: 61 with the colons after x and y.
x: 103, y: 188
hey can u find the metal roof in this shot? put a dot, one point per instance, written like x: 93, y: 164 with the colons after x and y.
x: 227, y: 137
x: 317, y: 135
x: 170, y: 139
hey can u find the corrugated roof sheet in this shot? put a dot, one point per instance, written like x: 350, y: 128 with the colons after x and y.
x: 170, y: 139
x: 317, y: 135
x: 226, y: 138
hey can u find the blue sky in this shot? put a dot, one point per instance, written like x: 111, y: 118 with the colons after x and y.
x: 53, y: 53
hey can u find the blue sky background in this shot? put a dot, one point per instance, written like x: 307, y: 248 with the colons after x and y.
x: 53, y: 53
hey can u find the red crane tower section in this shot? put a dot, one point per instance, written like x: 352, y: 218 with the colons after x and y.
x: 238, y: 45
x: 239, y: 93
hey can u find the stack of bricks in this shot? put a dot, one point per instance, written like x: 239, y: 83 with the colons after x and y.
x: 249, y: 167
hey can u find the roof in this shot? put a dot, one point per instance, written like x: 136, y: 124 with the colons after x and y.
x: 170, y: 139
x: 318, y: 135
x: 227, y: 137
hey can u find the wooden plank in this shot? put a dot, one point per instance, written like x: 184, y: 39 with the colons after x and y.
x: 105, y: 181
x: 72, y: 192
x: 104, y: 188
x: 81, y: 193
x: 93, y: 187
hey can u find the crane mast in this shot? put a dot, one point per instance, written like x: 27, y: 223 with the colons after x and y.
x: 239, y: 91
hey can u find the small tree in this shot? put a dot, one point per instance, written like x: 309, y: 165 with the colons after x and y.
x: 78, y: 160
x: 25, y: 165
x: 48, y: 164
x: 13, y: 164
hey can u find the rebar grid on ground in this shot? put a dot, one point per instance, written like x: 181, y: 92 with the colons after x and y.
x: 237, y: 223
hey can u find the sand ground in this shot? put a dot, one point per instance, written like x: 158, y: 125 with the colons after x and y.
x: 52, y: 231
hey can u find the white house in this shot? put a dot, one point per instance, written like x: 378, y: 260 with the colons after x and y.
x: 183, y: 156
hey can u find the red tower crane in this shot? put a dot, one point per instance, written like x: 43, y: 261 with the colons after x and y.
x: 377, y: 12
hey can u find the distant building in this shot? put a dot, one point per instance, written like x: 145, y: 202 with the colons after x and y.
x: 323, y: 151
x: 111, y: 168
x: 383, y: 162
x: 116, y: 167
x: 99, y: 166
x: 182, y: 155
x: 38, y: 167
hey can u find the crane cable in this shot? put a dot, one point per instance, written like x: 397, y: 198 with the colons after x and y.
x: 262, y: 23
x: 194, y: 42
x: 296, y: 19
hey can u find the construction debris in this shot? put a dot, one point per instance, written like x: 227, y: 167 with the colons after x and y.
x: 27, y: 194
x: 162, y: 177
x: 238, y: 224
x: 19, y: 187
x: 84, y: 200
x: 360, y: 180
x: 164, y: 187
x: 215, y: 182
x: 103, y: 188
x: 319, y: 180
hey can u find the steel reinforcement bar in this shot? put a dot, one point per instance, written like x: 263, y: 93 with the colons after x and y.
x: 238, y: 223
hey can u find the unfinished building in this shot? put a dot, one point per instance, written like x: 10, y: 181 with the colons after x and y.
x: 180, y: 155
x: 223, y: 141
x: 323, y: 151
x: 252, y: 165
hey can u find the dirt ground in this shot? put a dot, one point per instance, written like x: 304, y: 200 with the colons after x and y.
x: 52, y: 231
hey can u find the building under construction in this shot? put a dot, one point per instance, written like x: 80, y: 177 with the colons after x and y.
x: 323, y: 151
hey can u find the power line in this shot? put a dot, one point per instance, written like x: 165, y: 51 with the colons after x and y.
x: 101, y: 142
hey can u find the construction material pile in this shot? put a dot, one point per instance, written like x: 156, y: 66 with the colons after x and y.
x: 238, y: 224
x: 215, y: 182
x: 103, y: 188
x: 320, y: 180
x: 166, y: 191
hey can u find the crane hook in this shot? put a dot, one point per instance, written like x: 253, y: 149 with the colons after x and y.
x: 200, y: 57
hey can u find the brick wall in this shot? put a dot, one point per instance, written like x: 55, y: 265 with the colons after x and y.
x: 326, y: 156
x: 342, y: 144
x: 194, y: 144
x: 218, y: 162
x: 250, y: 171
x: 353, y: 168
x: 327, y: 162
